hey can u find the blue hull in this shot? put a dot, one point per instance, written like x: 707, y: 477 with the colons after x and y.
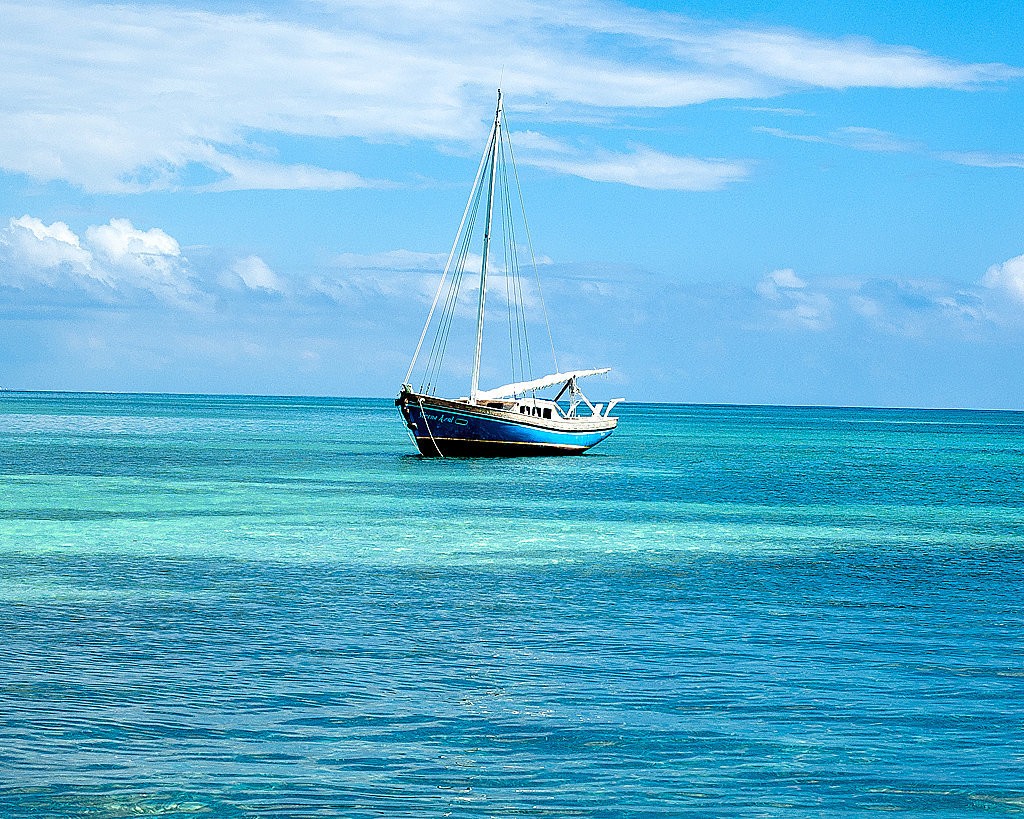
x: 447, y: 428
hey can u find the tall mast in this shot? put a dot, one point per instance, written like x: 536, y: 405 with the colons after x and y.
x: 495, y: 146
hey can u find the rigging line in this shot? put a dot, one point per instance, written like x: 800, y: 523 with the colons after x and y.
x: 511, y: 265
x: 441, y: 334
x: 451, y: 306
x: 533, y: 258
x: 437, y: 343
x: 444, y: 275
x: 522, y: 330
x: 447, y: 314
x: 522, y: 333
x: 526, y: 347
x: 528, y: 367
x: 509, y: 257
x: 495, y: 143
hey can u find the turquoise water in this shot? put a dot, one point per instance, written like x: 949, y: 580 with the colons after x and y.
x: 249, y: 607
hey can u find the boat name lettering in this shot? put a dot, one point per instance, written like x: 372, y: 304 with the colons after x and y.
x: 445, y: 419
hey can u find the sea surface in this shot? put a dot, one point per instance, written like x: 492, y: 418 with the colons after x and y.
x: 271, y: 607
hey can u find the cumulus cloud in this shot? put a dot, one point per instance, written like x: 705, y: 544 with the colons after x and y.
x: 1007, y: 276
x: 120, y: 98
x: 116, y: 259
x: 35, y: 251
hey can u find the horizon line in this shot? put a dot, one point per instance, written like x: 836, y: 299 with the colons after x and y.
x: 625, y: 402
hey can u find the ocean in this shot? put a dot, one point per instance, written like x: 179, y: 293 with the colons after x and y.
x: 272, y: 607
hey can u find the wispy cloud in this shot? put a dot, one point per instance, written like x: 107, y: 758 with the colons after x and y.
x: 238, y: 173
x: 794, y: 57
x: 793, y: 302
x: 783, y: 134
x: 877, y: 141
x: 773, y: 109
x: 857, y: 138
x: 640, y: 167
x: 397, y: 274
x: 982, y: 159
x: 909, y: 307
x: 115, y: 98
x: 921, y: 307
x: 843, y: 310
x: 874, y: 140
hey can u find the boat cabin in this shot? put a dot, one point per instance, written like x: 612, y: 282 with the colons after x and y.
x: 534, y: 407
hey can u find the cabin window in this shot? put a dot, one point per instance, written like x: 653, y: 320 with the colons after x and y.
x: 547, y: 412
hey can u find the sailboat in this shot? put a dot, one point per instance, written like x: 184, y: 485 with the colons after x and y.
x: 512, y: 419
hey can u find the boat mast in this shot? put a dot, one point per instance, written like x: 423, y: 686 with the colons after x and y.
x: 495, y: 145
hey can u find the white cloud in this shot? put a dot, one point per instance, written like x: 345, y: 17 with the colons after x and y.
x: 846, y: 63
x: 793, y: 302
x: 246, y: 174
x: 874, y: 140
x: 116, y: 98
x: 982, y: 159
x: 395, y: 274
x: 921, y: 307
x: 771, y: 109
x: 122, y: 243
x: 393, y: 260
x: 782, y: 134
x: 255, y: 274
x: 855, y: 137
x: 117, y: 256
x: 641, y: 167
x: 1008, y: 276
x: 877, y: 141
x: 778, y: 282
x: 647, y: 168
x: 35, y: 251
x: 404, y: 275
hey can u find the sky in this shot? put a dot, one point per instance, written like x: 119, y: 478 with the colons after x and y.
x: 748, y: 202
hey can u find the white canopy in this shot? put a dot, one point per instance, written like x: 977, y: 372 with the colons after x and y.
x: 510, y: 390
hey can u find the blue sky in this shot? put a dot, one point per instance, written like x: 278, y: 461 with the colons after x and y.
x: 797, y: 203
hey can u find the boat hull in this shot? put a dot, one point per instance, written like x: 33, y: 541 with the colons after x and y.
x: 456, y: 429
